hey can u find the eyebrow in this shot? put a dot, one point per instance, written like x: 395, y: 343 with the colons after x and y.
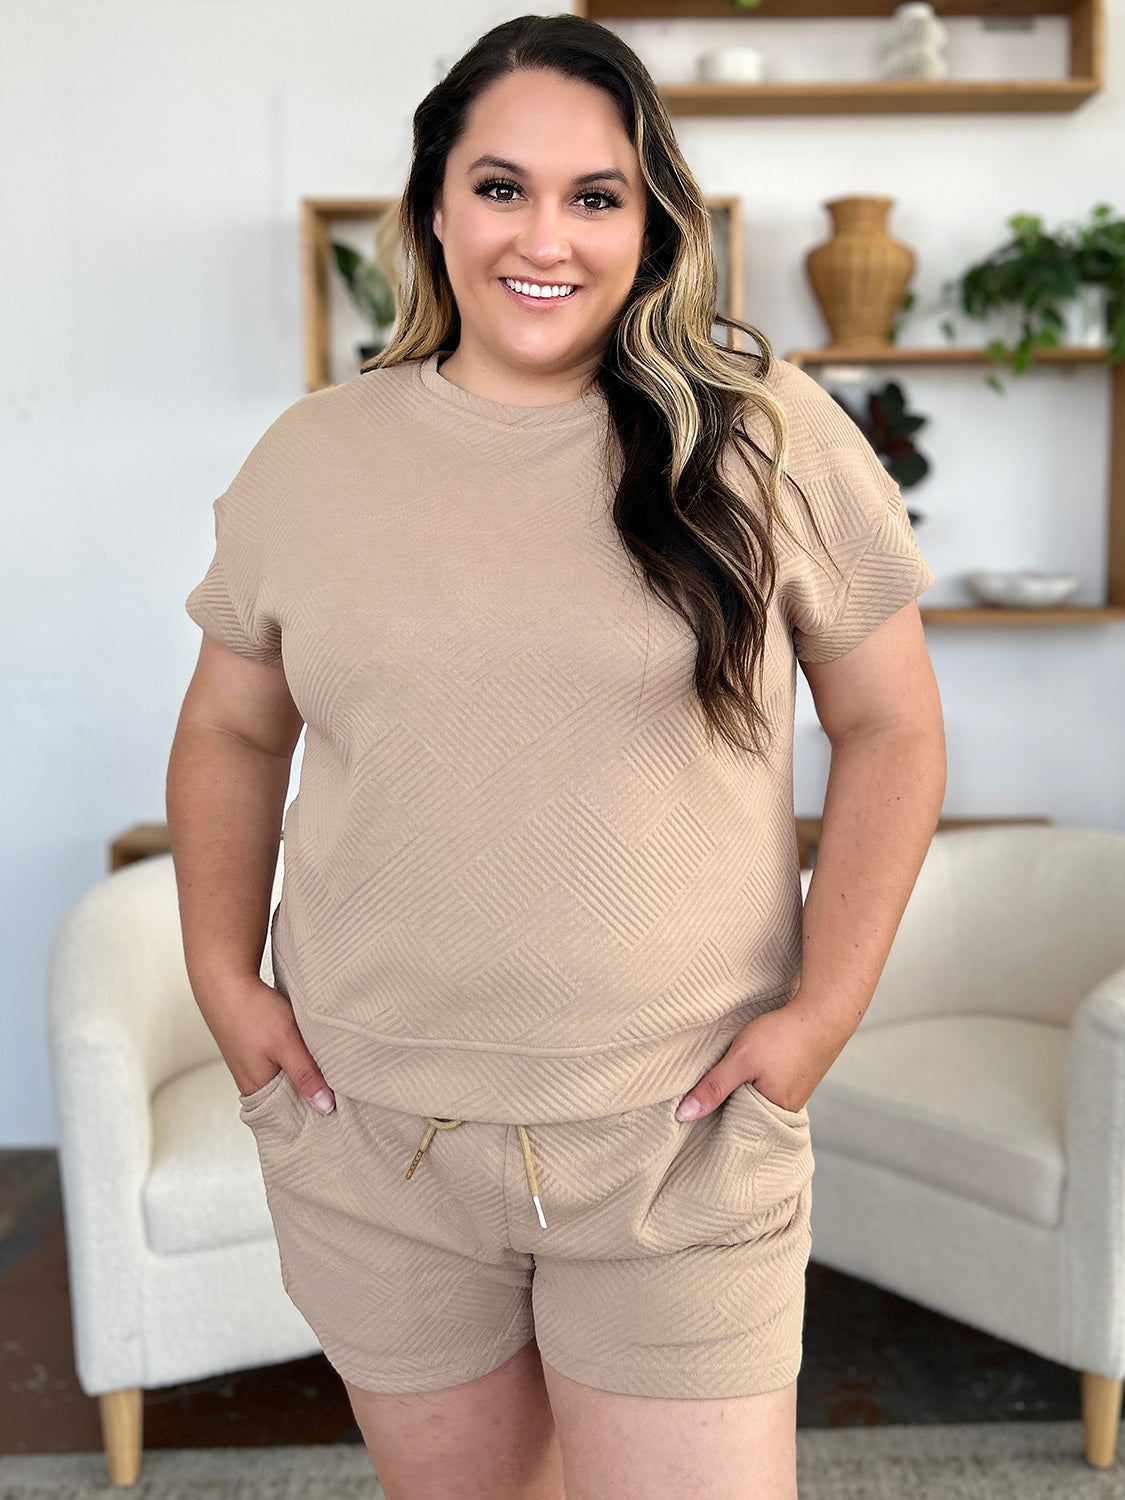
x: 611, y: 174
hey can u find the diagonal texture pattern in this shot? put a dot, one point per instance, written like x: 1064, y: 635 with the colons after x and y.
x: 519, y: 884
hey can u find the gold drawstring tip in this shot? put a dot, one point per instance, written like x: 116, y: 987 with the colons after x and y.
x: 421, y: 1151
x: 417, y: 1158
x: 539, y: 1210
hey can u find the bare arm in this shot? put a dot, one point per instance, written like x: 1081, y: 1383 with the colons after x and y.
x: 228, y: 774
x: 880, y: 708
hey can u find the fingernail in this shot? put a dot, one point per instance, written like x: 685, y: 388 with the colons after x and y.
x: 324, y: 1101
x: 689, y: 1109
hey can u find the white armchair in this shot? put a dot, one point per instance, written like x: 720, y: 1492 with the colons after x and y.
x: 174, y: 1268
x: 970, y: 1138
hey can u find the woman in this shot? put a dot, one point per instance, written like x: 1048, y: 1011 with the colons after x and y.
x: 537, y: 581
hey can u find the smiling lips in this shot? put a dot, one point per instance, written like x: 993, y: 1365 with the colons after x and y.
x: 538, y: 293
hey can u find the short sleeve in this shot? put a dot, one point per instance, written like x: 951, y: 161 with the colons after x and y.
x: 888, y: 571
x: 230, y: 602
x: 875, y: 565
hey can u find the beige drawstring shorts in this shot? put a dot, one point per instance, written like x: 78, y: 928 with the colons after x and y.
x: 646, y: 1255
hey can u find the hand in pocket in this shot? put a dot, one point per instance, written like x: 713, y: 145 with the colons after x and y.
x: 258, y: 1035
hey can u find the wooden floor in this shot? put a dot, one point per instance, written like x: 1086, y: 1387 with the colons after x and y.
x: 869, y: 1358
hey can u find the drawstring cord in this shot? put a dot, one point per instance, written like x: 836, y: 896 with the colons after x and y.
x: 433, y: 1125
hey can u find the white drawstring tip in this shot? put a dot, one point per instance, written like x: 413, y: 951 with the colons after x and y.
x: 539, y: 1210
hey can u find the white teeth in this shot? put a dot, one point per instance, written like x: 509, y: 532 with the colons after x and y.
x: 533, y: 289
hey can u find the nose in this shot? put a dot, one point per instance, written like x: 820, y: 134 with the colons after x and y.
x: 542, y: 239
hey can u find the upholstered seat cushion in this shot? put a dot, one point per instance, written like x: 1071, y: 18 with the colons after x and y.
x: 973, y: 1103
x: 204, y: 1187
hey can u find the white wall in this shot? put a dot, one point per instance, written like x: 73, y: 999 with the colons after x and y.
x: 154, y: 157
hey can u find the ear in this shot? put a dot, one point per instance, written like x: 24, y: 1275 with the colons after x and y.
x: 437, y: 218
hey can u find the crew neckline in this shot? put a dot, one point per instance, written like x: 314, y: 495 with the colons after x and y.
x: 556, y: 414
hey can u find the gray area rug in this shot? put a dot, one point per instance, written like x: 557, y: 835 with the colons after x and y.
x: 969, y: 1461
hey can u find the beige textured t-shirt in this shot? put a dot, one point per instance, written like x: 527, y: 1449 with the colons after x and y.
x: 519, y: 884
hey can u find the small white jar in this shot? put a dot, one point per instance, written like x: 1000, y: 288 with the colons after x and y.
x: 731, y: 65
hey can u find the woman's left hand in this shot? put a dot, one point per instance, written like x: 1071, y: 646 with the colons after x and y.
x: 784, y: 1053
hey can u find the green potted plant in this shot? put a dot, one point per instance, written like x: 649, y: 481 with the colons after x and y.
x: 371, y: 292
x: 1038, y: 277
x: 1099, y: 254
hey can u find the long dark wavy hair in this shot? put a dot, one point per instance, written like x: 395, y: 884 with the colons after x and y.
x: 677, y: 399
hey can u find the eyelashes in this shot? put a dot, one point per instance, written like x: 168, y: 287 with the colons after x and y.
x: 484, y: 188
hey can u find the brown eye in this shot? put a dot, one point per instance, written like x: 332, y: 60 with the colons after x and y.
x: 505, y: 184
x: 610, y: 198
x: 484, y: 189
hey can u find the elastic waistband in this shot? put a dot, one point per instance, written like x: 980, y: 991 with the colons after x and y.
x: 433, y: 1124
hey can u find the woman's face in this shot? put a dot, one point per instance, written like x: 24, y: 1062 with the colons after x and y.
x: 543, y: 188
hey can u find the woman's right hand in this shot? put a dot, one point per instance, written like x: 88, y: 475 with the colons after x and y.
x: 258, y: 1035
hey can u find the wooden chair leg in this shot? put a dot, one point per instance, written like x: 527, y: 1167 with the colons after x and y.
x: 122, y: 1415
x: 1101, y: 1411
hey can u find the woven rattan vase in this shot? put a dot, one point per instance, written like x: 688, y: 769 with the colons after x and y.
x: 859, y: 276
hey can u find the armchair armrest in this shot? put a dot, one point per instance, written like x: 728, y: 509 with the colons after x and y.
x: 100, y: 1009
x: 1094, y: 1143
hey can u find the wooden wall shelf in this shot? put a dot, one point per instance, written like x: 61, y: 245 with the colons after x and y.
x: 318, y: 214
x: 954, y: 354
x: 318, y: 265
x: 146, y: 839
x: 976, y: 614
x: 972, y: 614
x: 317, y: 269
x: 877, y: 96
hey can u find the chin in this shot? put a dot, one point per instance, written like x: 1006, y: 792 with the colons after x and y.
x: 541, y: 355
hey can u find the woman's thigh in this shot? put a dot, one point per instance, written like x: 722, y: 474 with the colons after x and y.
x: 640, y: 1448
x: 669, y: 1305
x: 493, y: 1436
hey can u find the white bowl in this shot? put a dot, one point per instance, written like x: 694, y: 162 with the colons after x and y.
x: 731, y: 65
x: 1023, y: 588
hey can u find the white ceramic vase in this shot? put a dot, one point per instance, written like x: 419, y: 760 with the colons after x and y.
x: 1085, y: 323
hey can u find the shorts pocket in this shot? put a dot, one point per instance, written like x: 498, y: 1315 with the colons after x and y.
x: 797, y: 1120
x: 259, y: 1095
x: 276, y: 1113
x: 783, y: 1171
x: 728, y: 1172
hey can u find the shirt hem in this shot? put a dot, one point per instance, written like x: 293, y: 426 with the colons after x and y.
x: 580, y: 1049
x: 491, y: 1083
